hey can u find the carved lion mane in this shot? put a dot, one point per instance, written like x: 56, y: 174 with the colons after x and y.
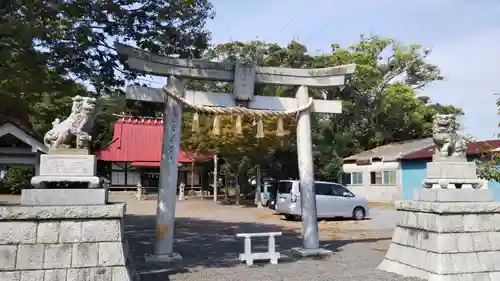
x: 445, y: 136
x: 79, y: 123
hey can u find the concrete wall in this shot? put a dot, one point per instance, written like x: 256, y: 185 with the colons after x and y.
x: 414, y: 173
x: 380, y: 192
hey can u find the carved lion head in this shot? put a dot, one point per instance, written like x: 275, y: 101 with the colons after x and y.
x: 83, y: 105
x: 445, y: 121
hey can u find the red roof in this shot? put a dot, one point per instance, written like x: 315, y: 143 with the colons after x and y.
x: 473, y: 148
x: 140, y: 141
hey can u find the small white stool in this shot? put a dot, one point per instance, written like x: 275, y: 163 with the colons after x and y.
x: 271, y: 253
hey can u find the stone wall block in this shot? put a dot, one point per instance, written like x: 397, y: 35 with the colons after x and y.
x: 120, y: 273
x: 85, y: 255
x: 48, y: 232
x: 450, y: 242
x: 494, y: 240
x: 70, y: 232
x: 10, y: 275
x: 111, y: 254
x: 402, y: 218
x: 55, y: 275
x: 101, y: 274
x: 101, y: 231
x: 57, y: 256
x: 79, y: 274
x: 411, y: 218
x: 8, y: 257
x: 32, y: 275
x: 488, y: 262
x: 14, y: 232
x: 30, y: 256
x: 399, y: 236
x: 494, y: 222
x: 449, y: 223
x: 481, y: 242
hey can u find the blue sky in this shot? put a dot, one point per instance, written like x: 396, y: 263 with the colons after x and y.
x: 464, y: 36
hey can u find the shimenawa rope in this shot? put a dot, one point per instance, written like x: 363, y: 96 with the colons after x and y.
x: 237, y: 109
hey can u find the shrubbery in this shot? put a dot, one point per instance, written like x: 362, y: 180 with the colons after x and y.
x: 15, y: 179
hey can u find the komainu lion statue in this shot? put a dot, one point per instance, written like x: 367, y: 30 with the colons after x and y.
x: 445, y: 136
x: 79, y: 124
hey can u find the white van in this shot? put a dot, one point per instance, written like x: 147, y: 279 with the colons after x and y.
x: 332, y: 200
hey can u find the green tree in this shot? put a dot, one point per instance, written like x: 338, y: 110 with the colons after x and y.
x: 74, y: 37
x: 15, y: 179
x: 48, y: 47
x: 488, y: 162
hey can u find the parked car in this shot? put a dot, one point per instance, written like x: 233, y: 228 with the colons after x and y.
x: 332, y: 200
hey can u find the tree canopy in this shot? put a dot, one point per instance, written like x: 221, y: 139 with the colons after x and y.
x: 382, y: 102
x: 51, y: 51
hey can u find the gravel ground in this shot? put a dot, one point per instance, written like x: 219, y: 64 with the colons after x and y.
x: 205, y: 237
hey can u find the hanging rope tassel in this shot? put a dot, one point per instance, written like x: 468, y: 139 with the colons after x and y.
x: 237, y: 128
x: 216, y: 129
x: 195, y: 126
x: 260, y: 128
x: 280, y: 131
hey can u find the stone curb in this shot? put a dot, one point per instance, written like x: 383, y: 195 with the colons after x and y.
x: 62, y: 212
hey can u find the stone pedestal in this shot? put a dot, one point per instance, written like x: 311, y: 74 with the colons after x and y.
x: 69, y: 165
x: 64, y: 243
x: 448, y: 240
x: 60, y: 196
x: 452, y: 173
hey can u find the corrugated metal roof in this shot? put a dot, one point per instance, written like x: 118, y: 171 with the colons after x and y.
x: 393, y: 151
x: 473, y: 148
x: 140, y: 141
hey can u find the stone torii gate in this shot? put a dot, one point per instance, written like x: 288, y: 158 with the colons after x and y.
x: 244, y: 76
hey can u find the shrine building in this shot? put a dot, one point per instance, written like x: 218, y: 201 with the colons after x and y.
x: 134, y: 153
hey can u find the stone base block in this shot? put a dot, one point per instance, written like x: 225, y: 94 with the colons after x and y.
x: 409, y: 271
x: 54, y: 197
x: 68, y: 165
x: 453, y: 195
x: 451, y: 170
x: 40, y: 181
x: 69, y: 151
x: 173, y: 258
x: 303, y: 252
x: 446, y: 241
x: 66, y: 243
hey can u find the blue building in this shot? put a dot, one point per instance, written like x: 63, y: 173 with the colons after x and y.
x: 414, y: 165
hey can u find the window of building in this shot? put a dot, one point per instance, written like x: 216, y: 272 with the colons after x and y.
x: 390, y: 177
x: 383, y: 178
x: 346, y: 178
x: 352, y: 178
x: 375, y: 177
x: 357, y: 178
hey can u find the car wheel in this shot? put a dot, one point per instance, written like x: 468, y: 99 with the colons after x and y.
x: 358, y: 213
x: 289, y: 217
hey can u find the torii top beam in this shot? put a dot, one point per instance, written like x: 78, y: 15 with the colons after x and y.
x: 149, y: 63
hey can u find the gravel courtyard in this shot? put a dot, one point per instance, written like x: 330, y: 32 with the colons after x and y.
x: 205, y: 237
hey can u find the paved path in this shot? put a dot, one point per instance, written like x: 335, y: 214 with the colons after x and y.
x: 205, y: 237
